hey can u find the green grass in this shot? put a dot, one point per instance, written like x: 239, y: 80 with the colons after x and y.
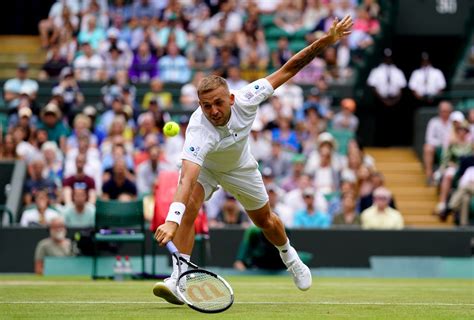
x: 255, y: 298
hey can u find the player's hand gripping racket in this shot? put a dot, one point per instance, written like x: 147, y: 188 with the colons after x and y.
x: 200, y: 289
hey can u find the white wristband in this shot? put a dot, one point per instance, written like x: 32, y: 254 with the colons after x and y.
x: 175, y: 212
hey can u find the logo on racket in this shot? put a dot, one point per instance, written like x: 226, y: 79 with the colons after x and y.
x: 204, y: 292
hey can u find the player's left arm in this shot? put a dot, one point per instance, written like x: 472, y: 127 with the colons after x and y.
x: 338, y: 30
x: 187, y: 181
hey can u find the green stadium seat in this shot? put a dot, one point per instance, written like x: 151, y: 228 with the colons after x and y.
x: 118, y: 216
x: 342, y: 137
x: 266, y: 20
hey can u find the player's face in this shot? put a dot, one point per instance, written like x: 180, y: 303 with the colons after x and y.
x: 216, y: 105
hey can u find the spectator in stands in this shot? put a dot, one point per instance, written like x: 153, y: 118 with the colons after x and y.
x: 254, y: 58
x: 173, y: 66
x: 115, y: 60
x: 326, y: 174
x: 377, y: 180
x: 113, y: 41
x: 288, y: 17
x: 189, y: 99
x: 310, y: 217
x: 470, y: 119
x: 119, y: 187
x: 230, y: 214
x: 62, y: 15
x: 234, y: 81
x: 56, y: 245
x: 325, y: 139
x: 298, y: 162
x: 224, y: 60
x: 91, y: 33
x: 40, y: 214
x: 228, y: 17
x: 95, y: 9
x: 460, y: 145
x: 348, y: 216
x: 436, y: 133
x: 51, y: 121
x: 37, y: 182
x: 82, y: 125
x: 119, y: 134
x: 260, y: 145
x: 387, y: 82
x: 282, y: 54
x: 147, y: 172
x: 145, y: 8
x: 53, y: 162
x: 365, y: 27
x: 314, y: 70
x: 274, y: 200
x: 21, y: 83
x: 380, y: 215
x: 427, y: 81
x: 143, y: 66
x: 7, y: 149
x: 164, y: 98
x: 23, y: 118
x: 279, y: 161
x: 172, y: 29
x: 81, y: 212
x: 89, y: 66
x: 345, y: 119
x: 119, y: 9
x: 200, y: 53
x: 291, y: 96
x: 313, y: 12
x: 79, y: 180
x: 24, y: 149
x: 54, y: 64
x: 462, y: 197
x: 68, y: 92
x: 119, y: 109
x: 294, y: 199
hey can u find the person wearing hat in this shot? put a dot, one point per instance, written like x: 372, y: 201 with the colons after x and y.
x: 310, y: 217
x: 461, y: 145
x: 427, y: 81
x: 380, y: 215
x: 13, y: 87
x: 345, y: 119
x: 114, y: 40
x: 387, y: 82
x: 51, y: 121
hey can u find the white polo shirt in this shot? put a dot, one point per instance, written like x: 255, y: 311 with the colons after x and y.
x: 225, y: 148
x: 427, y: 81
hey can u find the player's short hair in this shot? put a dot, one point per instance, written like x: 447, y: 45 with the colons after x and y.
x: 210, y: 83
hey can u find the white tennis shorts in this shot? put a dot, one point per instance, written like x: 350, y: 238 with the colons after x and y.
x: 246, y: 185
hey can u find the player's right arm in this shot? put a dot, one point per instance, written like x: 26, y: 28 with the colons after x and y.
x: 189, y: 175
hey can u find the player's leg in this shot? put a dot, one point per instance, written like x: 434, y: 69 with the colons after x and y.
x: 248, y: 188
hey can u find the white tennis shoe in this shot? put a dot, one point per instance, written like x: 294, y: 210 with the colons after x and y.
x: 300, y: 273
x: 167, y: 291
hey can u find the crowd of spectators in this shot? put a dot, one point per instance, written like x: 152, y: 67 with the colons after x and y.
x: 76, y: 154
x: 448, y: 156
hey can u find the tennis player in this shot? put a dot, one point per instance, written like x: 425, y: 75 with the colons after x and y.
x: 216, y: 152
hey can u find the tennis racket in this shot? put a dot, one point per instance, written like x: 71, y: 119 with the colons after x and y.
x: 200, y: 289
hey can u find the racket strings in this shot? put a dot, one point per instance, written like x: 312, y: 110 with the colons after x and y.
x: 205, y: 291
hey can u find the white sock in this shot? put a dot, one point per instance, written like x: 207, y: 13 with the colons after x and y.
x: 184, y: 266
x: 287, y: 252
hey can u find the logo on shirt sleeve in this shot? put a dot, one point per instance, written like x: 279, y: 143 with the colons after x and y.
x: 194, y: 150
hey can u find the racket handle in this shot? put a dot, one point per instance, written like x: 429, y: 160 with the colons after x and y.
x: 171, y: 247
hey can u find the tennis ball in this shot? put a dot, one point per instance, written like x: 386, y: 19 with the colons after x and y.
x: 171, y: 129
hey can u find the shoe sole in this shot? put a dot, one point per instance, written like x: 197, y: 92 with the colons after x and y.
x: 162, y: 291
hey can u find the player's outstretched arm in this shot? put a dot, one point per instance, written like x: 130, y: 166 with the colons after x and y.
x: 338, y: 30
x: 187, y: 181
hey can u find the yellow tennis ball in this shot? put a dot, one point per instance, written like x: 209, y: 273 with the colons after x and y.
x: 171, y: 129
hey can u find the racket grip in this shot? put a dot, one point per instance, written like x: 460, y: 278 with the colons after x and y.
x: 171, y: 247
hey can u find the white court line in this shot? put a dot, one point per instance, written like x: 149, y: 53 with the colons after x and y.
x: 441, y: 304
